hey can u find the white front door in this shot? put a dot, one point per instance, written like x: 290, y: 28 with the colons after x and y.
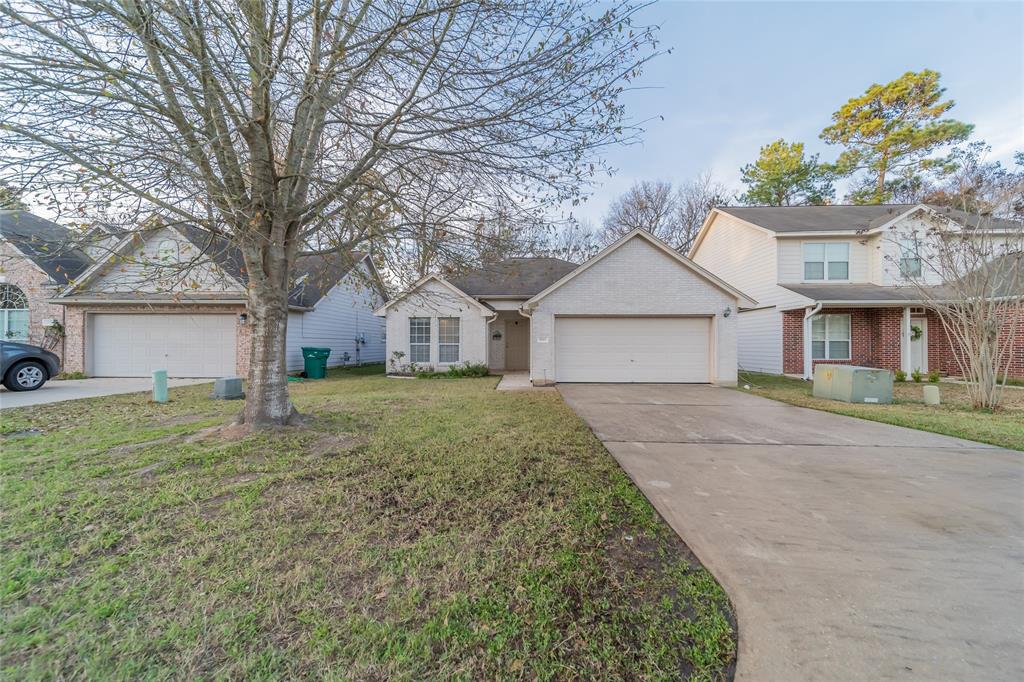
x: 633, y: 349
x: 919, y: 346
x: 185, y: 345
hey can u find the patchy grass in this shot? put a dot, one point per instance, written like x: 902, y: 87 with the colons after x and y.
x: 954, y: 417
x: 415, y: 530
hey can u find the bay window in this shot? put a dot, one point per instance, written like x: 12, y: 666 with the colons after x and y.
x: 830, y: 337
x: 827, y: 261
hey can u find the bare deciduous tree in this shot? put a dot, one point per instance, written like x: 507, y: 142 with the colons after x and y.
x: 968, y: 267
x: 290, y: 125
x: 674, y: 215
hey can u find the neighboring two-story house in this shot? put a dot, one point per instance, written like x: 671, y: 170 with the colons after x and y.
x: 833, y: 284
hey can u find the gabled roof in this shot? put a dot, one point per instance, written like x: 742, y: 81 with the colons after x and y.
x: 523, y: 277
x: 51, y: 247
x: 482, y: 307
x: 845, y: 218
x: 657, y: 243
x: 314, y: 274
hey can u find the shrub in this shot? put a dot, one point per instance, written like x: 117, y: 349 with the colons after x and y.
x: 916, y: 376
x: 933, y: 376
x: 468, y: 369
x: 901, y: 376
x: 70, y: 375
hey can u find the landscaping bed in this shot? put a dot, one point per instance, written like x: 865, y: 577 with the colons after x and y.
x: 954, y: 417
x: 413, y: 530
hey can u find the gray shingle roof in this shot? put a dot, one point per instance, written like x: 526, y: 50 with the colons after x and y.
x: 854, y: 292
x: 524, y: 277
x: 53, y: 248
x: 796, y: 219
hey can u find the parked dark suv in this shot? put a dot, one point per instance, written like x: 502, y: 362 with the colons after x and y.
x: 24, y: 367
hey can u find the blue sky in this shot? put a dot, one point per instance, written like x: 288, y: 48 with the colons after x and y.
x: 742, y: 74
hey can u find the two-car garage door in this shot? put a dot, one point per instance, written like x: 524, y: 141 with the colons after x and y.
x: 633, y: 349
x: 185, y: 345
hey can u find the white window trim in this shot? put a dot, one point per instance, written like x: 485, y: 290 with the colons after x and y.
x: 825, y: 277
x: 428, y: 344
x: 916, y: 243
x: 849, y: 336
x: 439, y: 344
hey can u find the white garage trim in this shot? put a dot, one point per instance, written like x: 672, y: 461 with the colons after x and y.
x: 634, y: 348
x: 186, y: 345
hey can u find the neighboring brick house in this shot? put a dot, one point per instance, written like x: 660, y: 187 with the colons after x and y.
x: 38, y: 258
x: 835, y: 285
x: 174, y: 298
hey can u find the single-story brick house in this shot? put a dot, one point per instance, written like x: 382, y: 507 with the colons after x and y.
x: 636, y: 312
x: 835, y: 285
x: 174, y: 298
x: 38, y: 259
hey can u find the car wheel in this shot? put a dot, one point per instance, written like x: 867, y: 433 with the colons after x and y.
x: 25, y: 376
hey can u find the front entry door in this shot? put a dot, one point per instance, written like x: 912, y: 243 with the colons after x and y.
x: 919, y: 346
x: 517, y: 344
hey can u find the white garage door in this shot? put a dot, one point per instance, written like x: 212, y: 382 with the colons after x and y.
x: 184, y: 345
x: 632, y: 349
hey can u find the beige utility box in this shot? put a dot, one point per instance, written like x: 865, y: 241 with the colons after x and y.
x: 852, y: 384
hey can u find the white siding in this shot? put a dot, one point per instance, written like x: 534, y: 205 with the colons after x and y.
x: 791, y: 258
x: 434, y: 300
x: 338, y: 318
x: 144, y: 271
x: 760, y: 341
x: 636, y: 279
x: 747, y: 258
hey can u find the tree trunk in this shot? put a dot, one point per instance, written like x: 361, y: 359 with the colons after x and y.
x: 267, y: 403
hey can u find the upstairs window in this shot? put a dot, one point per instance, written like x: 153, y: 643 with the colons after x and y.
x: 827, y: 261
x: 13, y: 313
x: 830, y: 337
x: 910, y: 258
x: 419, y: 339
x: 448, y: 339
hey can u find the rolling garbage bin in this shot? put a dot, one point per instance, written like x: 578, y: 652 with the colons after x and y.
x: 315, y: 361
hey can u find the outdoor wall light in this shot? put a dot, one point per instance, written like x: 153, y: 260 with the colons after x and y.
x: 243, y: 318
x: 727, y: 312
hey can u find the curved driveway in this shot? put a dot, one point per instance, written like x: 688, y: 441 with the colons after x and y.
x: 852, y: 550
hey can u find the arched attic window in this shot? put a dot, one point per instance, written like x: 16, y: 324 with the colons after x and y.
x: 13, y: 313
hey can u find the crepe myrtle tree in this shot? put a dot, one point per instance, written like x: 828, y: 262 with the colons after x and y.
x: 967, y: 266
x: 289, y: 125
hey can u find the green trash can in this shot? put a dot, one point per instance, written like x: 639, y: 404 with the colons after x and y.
x: 315, y: 361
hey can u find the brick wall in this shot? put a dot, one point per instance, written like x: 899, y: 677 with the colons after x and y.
x: 875, y: 339
x: 75, y: 321
x: 941, y: 355
x: 17, y: 270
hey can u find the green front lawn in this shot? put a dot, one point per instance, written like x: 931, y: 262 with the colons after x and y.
x: 415, y: 530
x: 954, y: 417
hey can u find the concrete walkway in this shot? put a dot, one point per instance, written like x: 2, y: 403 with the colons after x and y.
x: 852, y: 550
x: 519, y: 381
x: 76, y: 389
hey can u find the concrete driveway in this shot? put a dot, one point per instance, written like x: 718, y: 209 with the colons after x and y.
x: 76, y: 389
x: 852, y: 550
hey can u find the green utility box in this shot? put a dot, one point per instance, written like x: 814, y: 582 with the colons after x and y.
x: 315, y: 360
x: 851, y: 384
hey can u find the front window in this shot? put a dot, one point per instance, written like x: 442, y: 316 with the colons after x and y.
x: 13, y: 313
x: 448, y: 339
x: 830, y: 337
x: 827, y: 261
x: 910, y: 258
x: 419, y: 339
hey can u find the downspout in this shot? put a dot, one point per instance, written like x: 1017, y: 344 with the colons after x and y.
x: 529, y: 341
x: 808, y: 361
